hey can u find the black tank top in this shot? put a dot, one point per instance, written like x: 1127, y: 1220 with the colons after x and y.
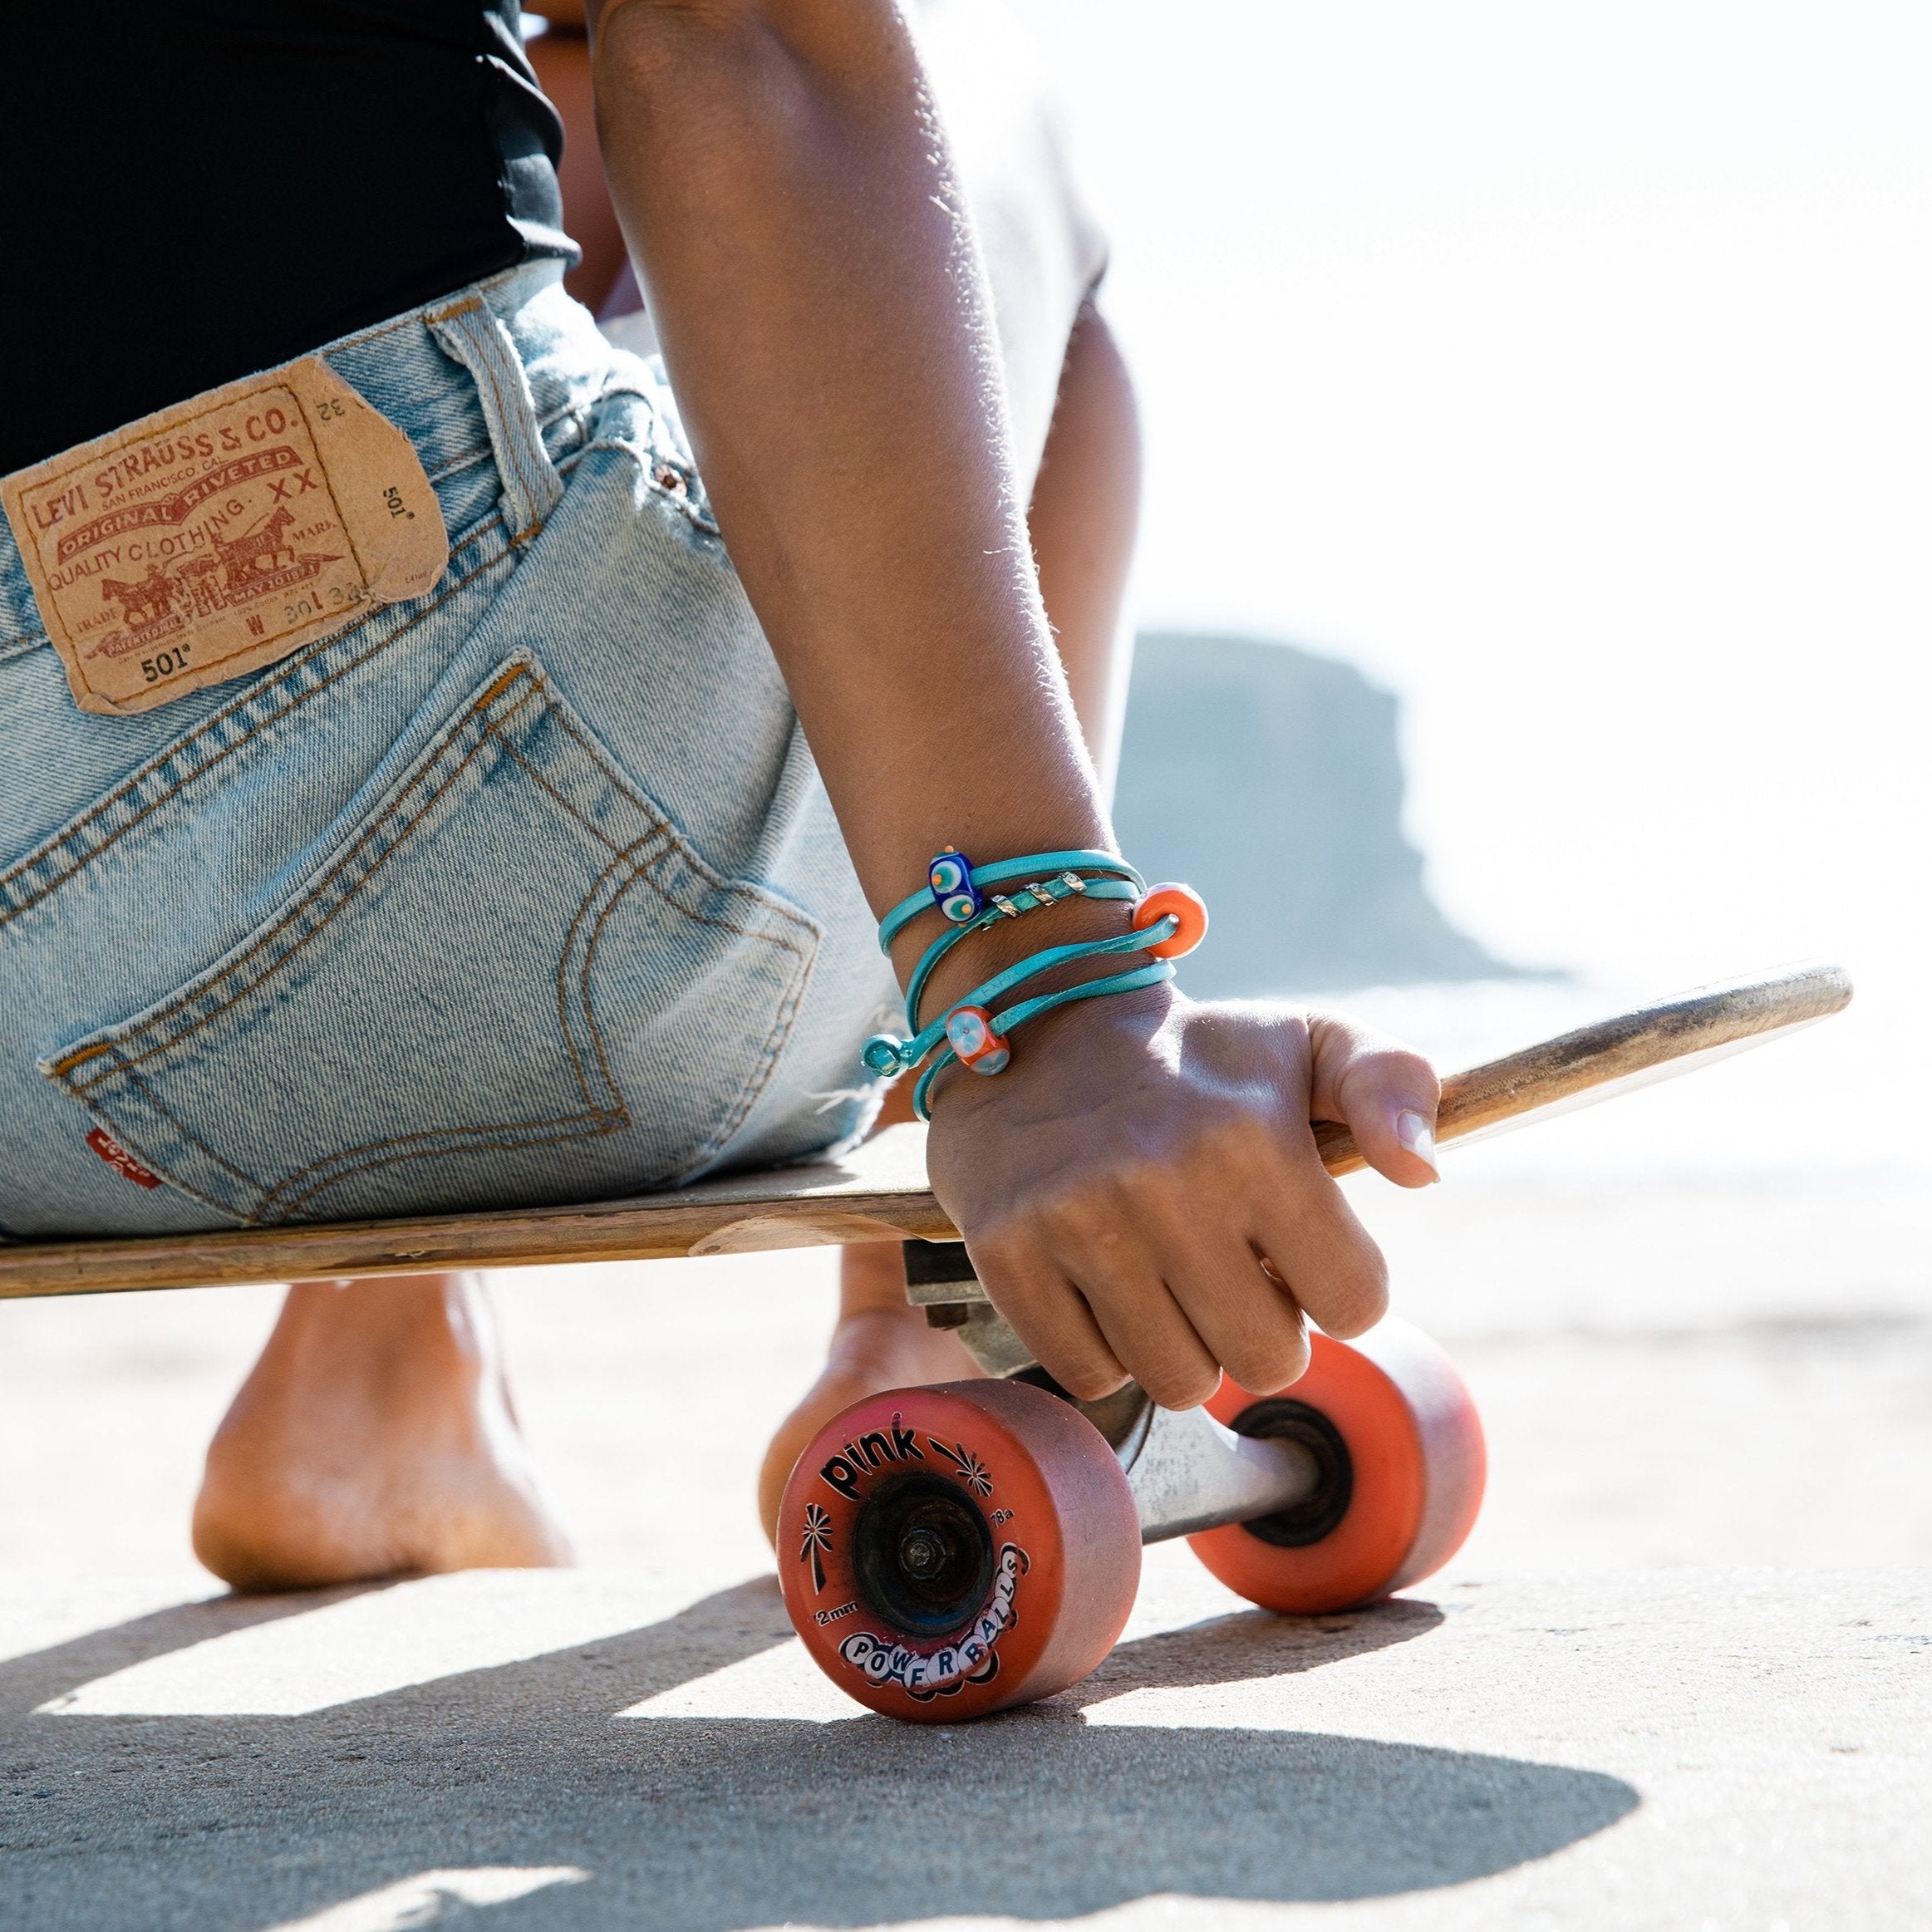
x: 200, y: 189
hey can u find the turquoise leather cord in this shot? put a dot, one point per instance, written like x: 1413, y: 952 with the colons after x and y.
x: 1151, y: 974
x: 1037, y: 893
x: 1038, y: 865
x: 907, y: 1053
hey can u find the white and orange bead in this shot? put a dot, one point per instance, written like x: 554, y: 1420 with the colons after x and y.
x: 969, y: 1032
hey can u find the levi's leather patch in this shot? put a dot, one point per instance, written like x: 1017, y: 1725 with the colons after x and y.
x: 217, y: 537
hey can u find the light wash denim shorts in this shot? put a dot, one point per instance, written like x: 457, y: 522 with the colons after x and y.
x: 526, y: 892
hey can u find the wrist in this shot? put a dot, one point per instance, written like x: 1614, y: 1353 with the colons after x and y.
x: 980, y: 980
x: 981, y: 955
x: 1071, y: 1063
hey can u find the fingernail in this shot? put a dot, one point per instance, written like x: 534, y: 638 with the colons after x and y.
x: 1415, y: 1133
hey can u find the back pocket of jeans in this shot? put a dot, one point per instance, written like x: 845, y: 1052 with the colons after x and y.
x: 513, y: 982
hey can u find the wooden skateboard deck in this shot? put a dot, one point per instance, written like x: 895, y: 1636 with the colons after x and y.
x: 878, y: 1192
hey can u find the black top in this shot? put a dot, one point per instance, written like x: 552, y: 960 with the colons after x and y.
x: 200, y: 189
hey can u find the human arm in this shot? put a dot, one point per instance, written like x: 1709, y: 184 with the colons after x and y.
x: 784, y: 188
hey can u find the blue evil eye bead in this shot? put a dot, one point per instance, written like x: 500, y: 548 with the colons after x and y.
x: 969, y: 1032
x: 949, y: 872
x: 950, y: 877
x: 881, y: 1054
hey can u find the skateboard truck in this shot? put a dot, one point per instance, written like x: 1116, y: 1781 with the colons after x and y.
x: 1187, y: 1472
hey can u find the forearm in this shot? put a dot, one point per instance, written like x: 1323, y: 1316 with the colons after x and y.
x: 812, y: 276
x: 814, y: 281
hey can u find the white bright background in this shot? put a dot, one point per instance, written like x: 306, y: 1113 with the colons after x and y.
x: 1569, y: 369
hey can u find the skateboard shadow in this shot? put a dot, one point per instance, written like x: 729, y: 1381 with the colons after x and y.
x: 237, y: 1824
x: 39, y: 1677
x: 1246, y: 1646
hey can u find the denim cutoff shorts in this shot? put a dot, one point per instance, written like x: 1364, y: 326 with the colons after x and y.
x: 525, y: 892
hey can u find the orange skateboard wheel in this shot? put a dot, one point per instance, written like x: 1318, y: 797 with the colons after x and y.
x: 949, y: 1551
x: 1190, y: 912
x: 1397, y: 1439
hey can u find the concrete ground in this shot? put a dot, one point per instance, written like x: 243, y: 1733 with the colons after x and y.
x: 1681, y: 1676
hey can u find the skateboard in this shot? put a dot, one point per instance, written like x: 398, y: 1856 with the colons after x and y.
x: 952, y: 1551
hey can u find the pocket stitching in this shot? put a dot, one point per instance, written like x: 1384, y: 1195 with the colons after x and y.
x: 579, y: 1127
x: 289, y: 703
x: 621, y: 856
x: 285, y: 1205
x: 380, y: 827
x: 675, y: 847
x: 715, y: 879
x: 281, y: 1205
x: 756, y: 1083
x: 618, y: 863
x: 600, y: 1120
x: 186, y: 1132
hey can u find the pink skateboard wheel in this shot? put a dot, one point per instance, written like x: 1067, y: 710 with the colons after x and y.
x: 1399, y: 1445
x: 949, y: 1552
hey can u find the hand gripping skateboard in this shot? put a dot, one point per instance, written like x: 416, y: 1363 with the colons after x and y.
x: 952, y: 1551
x: 949, y: 1552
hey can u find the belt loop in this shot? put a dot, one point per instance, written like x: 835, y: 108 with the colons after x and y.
x: 531, y: 486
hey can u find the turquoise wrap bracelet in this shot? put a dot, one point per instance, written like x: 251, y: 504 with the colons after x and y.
x: 1168, y: 921
x: 974, y: 877
x: 1049, y: 891
x: 884, y: 1054
x: 1151, y: 974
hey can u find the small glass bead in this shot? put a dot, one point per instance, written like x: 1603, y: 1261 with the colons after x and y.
x: 969, y: 1032
x: 951, y: 879
x: 881, y: 1054
x: 1186, y: 907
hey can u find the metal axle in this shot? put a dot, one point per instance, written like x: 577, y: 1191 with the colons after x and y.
x: 1187, y: 1472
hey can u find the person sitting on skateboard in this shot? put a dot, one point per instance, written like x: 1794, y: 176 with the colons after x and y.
x: 542, y: 861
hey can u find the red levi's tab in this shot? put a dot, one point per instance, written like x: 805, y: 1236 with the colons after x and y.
x: 120, y: 1159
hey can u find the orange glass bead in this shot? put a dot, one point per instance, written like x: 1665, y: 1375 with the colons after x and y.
x: 1187, y: 908
x: 969, y: 1032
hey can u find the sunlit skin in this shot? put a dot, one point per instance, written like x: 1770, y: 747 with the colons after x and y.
x: 374, y: 1437
x: 1081, y: 521
x: 1120, y: 1183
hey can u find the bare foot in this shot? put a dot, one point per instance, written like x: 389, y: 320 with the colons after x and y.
x: 375, y: 1437
x: 880, y: 1343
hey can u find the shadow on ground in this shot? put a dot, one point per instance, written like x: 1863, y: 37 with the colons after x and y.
x: 236, y: 1824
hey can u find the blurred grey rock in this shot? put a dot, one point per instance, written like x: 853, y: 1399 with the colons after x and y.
x: 1271, y: 780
